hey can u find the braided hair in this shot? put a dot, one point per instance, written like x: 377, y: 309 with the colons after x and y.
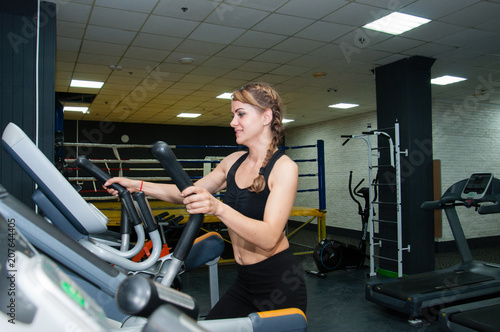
x: 263, y: 96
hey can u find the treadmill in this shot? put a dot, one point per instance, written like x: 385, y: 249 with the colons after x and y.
x: 475, y: 316
x: 465, y: 282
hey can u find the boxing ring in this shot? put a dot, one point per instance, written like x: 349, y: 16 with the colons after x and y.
x: 134, y: 161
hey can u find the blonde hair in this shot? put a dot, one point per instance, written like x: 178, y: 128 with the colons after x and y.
x: 263, y: 97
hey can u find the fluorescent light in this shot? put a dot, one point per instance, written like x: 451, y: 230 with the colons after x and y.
x: 86, y: 84
x: 188, y: 115
x: 446, y: 79
x: 396, y: 23
x: 76, y: 109
x: 287, y: 120
x: 225, y: 95
x: 343, y: 105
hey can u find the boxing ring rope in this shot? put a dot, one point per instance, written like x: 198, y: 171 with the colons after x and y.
x: 150, y: 170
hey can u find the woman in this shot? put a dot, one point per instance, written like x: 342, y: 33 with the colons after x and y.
x: 260, y: 191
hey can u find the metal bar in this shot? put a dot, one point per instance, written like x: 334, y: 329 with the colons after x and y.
x: 385, y: 221
x: 398, y: 199
x: 321, y: 174
x: 382, y: 239
x: 386, y: 258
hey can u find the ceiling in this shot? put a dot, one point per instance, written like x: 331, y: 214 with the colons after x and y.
x: 283, y: 42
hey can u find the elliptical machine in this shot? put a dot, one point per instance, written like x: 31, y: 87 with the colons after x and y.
x: 330, y: 255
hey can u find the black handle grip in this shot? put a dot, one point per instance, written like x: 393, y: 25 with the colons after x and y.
x: 102, y: 177
x: 96, y: 172
x: 147, y: 215
x: 140, y: 296
x: 125, y: 225
x: 431, y: 205
x: 168, y: 160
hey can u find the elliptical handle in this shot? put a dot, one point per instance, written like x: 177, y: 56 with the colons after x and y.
x: 102, y: 177
x: 168, y: 160
x: 360, y: 208
x: 96, y: 172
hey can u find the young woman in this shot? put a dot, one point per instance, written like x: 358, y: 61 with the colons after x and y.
x: 260, y: 184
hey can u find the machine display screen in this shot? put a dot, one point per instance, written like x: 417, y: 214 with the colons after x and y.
x: 477, y: 185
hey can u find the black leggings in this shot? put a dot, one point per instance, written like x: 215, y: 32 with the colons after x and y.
x: 275, y: 283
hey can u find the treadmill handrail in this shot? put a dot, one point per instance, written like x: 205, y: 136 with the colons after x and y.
x: 452, y: 197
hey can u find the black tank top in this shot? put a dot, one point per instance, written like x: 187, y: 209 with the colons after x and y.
x: 246, y: 202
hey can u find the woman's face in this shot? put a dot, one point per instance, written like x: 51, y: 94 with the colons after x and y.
x: 248, y: 122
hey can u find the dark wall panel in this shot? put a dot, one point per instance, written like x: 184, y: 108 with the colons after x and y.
x: 18, y: 56
x: 404, y: 93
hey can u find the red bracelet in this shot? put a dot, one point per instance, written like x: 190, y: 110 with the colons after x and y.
x: 140, y: 189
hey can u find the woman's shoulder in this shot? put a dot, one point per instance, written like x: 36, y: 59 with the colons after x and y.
x: 229, y: 160
x: 285, y: 163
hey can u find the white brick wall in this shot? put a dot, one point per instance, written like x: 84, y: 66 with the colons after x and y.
x: 465, y: 139
x: 339, y: 161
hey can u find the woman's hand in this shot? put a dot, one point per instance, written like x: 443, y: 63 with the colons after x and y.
x: 131, y: 185
x: 199, y: 200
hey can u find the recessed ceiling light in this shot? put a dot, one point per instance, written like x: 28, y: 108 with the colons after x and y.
x: 225, y: 95
x: 396, y: 23
x: 86, y: 84
x: 188, y: 115
x: 343, y: 105
x: 186, y: 60
x: 75, y: 109
x: 446, y: 79
x: 287, y: 120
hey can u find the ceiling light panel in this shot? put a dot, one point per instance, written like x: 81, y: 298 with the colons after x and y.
x: 86, y: 84
x: 343, y: 105
x: 447, y: 79
x: 396, y: 23
x: 188, y: 115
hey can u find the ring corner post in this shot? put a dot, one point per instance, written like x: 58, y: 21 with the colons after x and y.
x: 320, y: 146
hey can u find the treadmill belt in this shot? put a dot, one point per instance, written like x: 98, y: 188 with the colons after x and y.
x: 429, y: 282
x: 482, y: 319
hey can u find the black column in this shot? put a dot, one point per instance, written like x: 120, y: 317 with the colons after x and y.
x: 18, y: 63
x: 403, y: 93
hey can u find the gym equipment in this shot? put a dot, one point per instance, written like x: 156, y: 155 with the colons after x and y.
x: 331, y: 255
x: 92, y: 274
x: 395, y: 152
x: 67, y: 250
x: 475, y: 316
x: 112, y: 158
x: 135, y: 294
x: 465, y: 282
x: 66, y: 209
x: 39, y: 296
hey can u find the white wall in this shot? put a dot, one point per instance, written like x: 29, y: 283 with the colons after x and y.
x: 465, y: 138
x: 339, y: 161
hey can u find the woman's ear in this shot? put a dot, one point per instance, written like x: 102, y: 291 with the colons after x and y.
x: 268, y: 116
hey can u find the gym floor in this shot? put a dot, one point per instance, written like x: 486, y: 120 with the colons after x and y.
x: 337, y: 302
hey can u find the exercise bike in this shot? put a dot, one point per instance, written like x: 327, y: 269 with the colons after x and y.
x: 330, y: 255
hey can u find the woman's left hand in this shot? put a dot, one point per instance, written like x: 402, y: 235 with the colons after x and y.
x: 199, y: 200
